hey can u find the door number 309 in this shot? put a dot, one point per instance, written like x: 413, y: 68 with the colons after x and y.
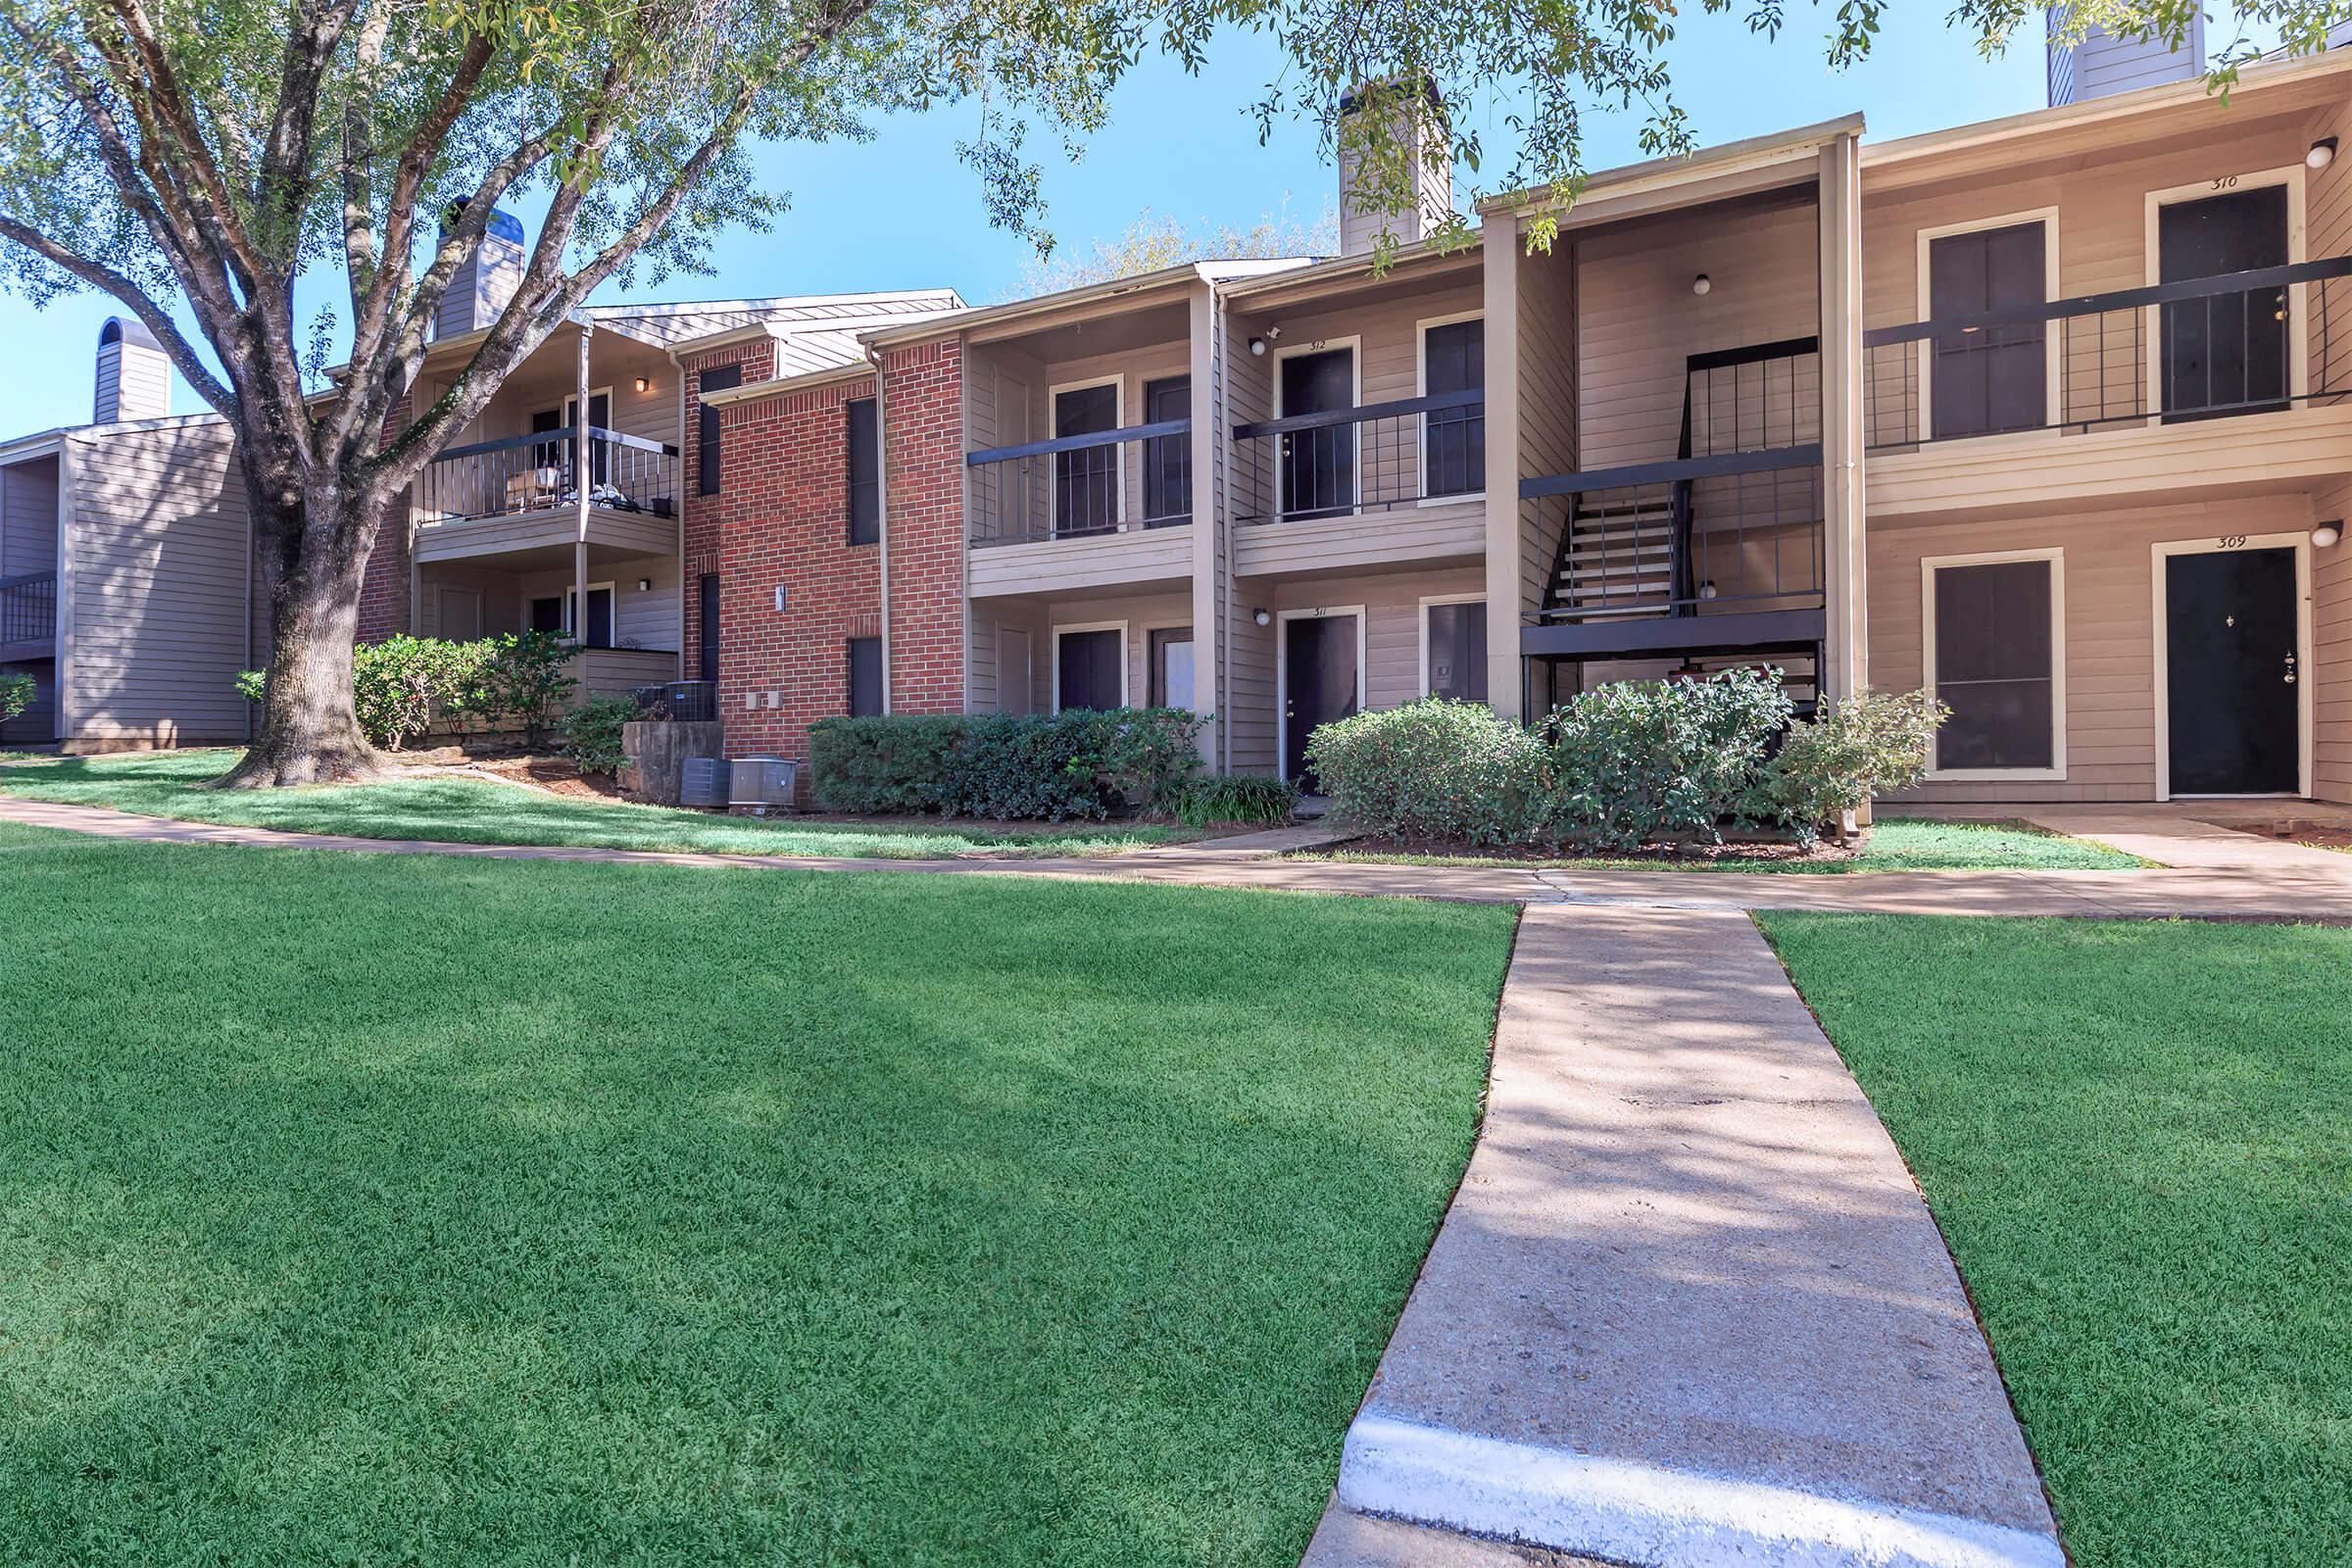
x: 2233, y: 541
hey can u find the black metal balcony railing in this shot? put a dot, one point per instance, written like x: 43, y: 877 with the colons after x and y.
x: 28, y: 608
x: 1366, y: 458
x: 534, y: 474
x: 1083, y: 486
x: 1705, y: 535
x: 2204, y: 347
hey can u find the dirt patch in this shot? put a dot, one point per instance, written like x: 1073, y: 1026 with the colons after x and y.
x: 556, y: 775
x: 2323, y: 835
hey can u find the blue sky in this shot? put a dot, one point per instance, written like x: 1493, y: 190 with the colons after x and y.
x: 1184, y: 147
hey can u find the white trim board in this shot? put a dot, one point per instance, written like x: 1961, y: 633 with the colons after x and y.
x: 1421, y: 390
x: 2053, y: 364
x: 1282, y: 672
x: 2164, y: 550
x: 1118, y: 417
x: 1929, y: 565
x: 1126, y: 656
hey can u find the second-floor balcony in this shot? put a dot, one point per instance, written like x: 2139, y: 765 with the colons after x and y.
x: 1345, y: 462
x: 520, y: 493
x: 29, y: 615
x: 2206, y: 348
x: 1083, y: 486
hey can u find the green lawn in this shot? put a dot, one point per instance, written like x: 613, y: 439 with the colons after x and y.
x: 459, y: 1211
x: 1896, y: 844
x: 472, y: 811
x: 2139, y: 1140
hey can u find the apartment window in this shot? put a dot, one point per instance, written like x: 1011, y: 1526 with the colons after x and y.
x: 1455, y: 649
x: 865, y: 473
x: 1086, y: 482
x: 717, y: 378
x: 1090, y: 668
x: 1989, y: 380
x: 1172, y: 668
x: 706, y: 660
x: 865, y: 677
x: 1995, y: 658
x: 1167, y: 458
x: 1454, y: 457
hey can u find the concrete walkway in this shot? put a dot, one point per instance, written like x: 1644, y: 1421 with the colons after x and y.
x: 1688, y: 1307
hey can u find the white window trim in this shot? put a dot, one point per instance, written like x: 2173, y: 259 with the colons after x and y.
x: 2054, y: 365
x: 1119, y: 452
x: 2161, y: 552
x: 1353, y: 343
x: 1427, y: 600
x: 564, y: 410
x: 1421, y: 390
x: 2298, y: 295
x: 1282, y: 672
x: 1126, y: 656
x: 1929, y: 565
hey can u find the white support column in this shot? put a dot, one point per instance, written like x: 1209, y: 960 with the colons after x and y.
x: 582, y: 478
x: 1846, y: 666
x: 1503, y: 259
x: 1208, y: 523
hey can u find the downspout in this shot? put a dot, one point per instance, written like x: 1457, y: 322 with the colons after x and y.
x: 873, y: 358
x: 680, y: 369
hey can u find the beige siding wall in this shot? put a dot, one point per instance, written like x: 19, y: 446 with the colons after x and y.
x: 647, y: 618
x: 1638, y: 322
x: 158, y: 562
x: 1548, y: 404
x: 2331, y: 652
x: 1392, y: 636
x: 2110, y: 627
x: 992, y: 679
x: 2329, y: 217
x: 29, y: 517
x: 2101, y: 243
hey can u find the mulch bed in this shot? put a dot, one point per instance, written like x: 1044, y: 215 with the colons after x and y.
x: 1748, y: 851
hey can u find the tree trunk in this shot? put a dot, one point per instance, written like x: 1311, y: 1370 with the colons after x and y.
x: 314, y: 555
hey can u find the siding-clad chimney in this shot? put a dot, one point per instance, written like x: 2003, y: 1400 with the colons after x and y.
x: 1423, y: 126
x: 486, y: 279
x: 135, y: 378
x: 2103, y: 63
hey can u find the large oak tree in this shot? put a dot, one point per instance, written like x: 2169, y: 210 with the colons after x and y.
x: 214, y: 151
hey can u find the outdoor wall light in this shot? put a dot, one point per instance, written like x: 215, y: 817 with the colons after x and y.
x: 2322, y: 154
x: 1702, y: 286
x: 2328, y: 534
x: 645, y: 585
x: 1258, y: 347
x: 1707, y: 589
x: 1262, y: 617
x: 644, y: 384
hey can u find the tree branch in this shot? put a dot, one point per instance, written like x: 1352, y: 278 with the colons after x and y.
x: 176, y: 347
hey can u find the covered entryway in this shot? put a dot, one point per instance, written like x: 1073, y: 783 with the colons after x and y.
x: 1322, y: 653
x: 2232, y: 663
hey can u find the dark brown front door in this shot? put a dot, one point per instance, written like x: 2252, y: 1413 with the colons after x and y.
x: 2230, y: 674
x: 1318, y: 464
x: 2224, y: 353
x: 1318, y: 685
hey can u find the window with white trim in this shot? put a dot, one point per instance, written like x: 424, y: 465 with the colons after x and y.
x: 1995, y: 657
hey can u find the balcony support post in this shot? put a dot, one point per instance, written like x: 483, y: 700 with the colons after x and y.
x: 581, y: 471
x: 1506, y: 513
x: 1844, y: 655
x: 1209, y: 521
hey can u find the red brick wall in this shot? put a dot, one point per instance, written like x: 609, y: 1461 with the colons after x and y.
x: 924, y: 408
x: 384, y: 581
x: 704, y: 515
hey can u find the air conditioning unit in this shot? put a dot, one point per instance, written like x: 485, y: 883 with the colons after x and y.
x: 763, y: 781
x: 703, y: 783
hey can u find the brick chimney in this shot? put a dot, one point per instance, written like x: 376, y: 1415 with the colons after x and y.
x: 1421, y: 120
x: 135, y: 378
x: 485, y: 281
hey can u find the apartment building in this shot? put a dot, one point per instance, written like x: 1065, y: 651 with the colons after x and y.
x: 2052, y: 415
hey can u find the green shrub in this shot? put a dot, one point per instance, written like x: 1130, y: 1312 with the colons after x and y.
x: 250, y: 683
x: 1050, y: 766
x: 1643, y: 761
x: 16, y: 693
x: 521, y: 679
x: 1431, y: 770
x: 401, y: 685
x: 592, y: 733
x: 1241, y: 798
x: 1867, y: 745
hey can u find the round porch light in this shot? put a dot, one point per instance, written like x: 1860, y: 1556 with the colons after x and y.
x: 1702, y: 286
x: 2328, y: 534
x: 1261, y: 618
x: 2322, y: 154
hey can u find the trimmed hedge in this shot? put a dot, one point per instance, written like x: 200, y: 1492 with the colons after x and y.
x: 1045, y: 766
